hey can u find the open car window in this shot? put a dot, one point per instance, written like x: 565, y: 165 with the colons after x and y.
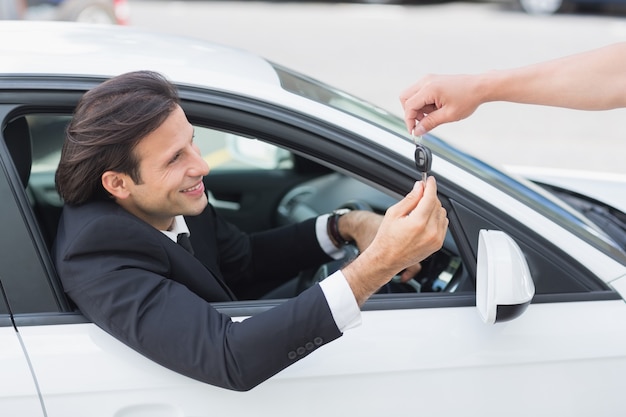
x: 255, y: 185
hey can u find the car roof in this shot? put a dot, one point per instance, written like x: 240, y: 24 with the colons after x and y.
x: 88, y: 50
x: 70, y: 49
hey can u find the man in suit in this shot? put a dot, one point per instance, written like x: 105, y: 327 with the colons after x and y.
x: 131, y: 177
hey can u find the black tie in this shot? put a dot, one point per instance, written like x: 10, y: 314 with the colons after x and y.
x: 183, y: 240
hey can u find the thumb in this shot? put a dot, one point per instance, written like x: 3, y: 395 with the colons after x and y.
x: 409, y: 202
x: 430, y: 121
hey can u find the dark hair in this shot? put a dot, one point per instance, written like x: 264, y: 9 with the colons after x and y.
x: 108, y: 123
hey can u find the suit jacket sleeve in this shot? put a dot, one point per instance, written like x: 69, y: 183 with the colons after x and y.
x: 118, y: 274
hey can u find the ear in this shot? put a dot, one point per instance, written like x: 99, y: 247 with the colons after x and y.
x: 117, y: 184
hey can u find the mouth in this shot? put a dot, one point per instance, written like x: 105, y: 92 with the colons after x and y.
x: 196, y: 187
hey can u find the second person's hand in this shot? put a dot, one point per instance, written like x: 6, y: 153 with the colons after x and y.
x: 438, y: 99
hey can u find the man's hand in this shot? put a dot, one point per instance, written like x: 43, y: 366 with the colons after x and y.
x: 361, y: 227
x: 411, y: 230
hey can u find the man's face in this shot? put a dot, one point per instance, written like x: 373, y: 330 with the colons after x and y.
x: 171, y: 170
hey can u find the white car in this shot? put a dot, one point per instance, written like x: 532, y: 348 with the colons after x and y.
x: 520, y: 313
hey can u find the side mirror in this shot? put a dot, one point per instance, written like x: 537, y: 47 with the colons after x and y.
x: 504, y: 287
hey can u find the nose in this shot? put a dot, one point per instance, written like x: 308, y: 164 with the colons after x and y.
x: 198, y: 167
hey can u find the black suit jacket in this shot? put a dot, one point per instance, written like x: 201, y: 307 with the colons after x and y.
x: 149, y: 292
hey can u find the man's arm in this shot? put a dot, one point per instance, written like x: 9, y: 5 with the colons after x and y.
x: 592, y: 80
x: 118, y: 274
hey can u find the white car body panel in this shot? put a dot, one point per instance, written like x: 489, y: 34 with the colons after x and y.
x: 84, y: 52
x: 441, y: 353
x: 81, y: 50
x: 18, y: 392
x: 620, y: 286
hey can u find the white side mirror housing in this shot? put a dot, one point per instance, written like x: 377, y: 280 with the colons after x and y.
x: 504, y: 286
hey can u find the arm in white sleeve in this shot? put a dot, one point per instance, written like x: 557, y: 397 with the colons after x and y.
x: 339, y: 296
x: 341, y: 301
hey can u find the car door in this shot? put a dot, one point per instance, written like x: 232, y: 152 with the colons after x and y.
x: 430, y: 351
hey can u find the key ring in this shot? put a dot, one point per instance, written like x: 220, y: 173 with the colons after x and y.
x: 416, y: 139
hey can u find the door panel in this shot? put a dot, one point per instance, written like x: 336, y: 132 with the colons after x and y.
x: 18, y: 393
x: 557, y: 359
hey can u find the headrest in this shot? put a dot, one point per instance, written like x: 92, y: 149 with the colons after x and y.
x: 18, y: 141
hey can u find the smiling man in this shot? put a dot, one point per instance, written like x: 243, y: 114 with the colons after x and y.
x: 131, y: 177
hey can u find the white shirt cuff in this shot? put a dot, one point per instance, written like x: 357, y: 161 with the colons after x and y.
x: 341, y: 301
x: 324, y: 240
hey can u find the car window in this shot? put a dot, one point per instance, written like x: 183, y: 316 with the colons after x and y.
x: 24, y: 273
x: 279, y: 184
x: 323, y: 93
x: 47, y: 135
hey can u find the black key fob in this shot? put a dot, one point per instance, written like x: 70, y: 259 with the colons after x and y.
x: 423, y: 160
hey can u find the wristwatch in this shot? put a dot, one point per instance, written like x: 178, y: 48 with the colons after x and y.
x: 332, y: 228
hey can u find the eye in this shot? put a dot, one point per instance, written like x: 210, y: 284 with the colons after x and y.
x: 175, y: 157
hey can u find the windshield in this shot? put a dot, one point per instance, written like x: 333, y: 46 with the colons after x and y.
x: 522, y: 190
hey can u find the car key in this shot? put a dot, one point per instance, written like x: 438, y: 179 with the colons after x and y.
x: 423, y: 157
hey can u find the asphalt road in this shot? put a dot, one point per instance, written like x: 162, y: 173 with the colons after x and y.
x: 375, y: 51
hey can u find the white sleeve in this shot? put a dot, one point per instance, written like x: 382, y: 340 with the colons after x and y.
x: 341, y: 301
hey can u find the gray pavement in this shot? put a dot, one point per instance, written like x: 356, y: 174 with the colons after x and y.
x: 375, y: 51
